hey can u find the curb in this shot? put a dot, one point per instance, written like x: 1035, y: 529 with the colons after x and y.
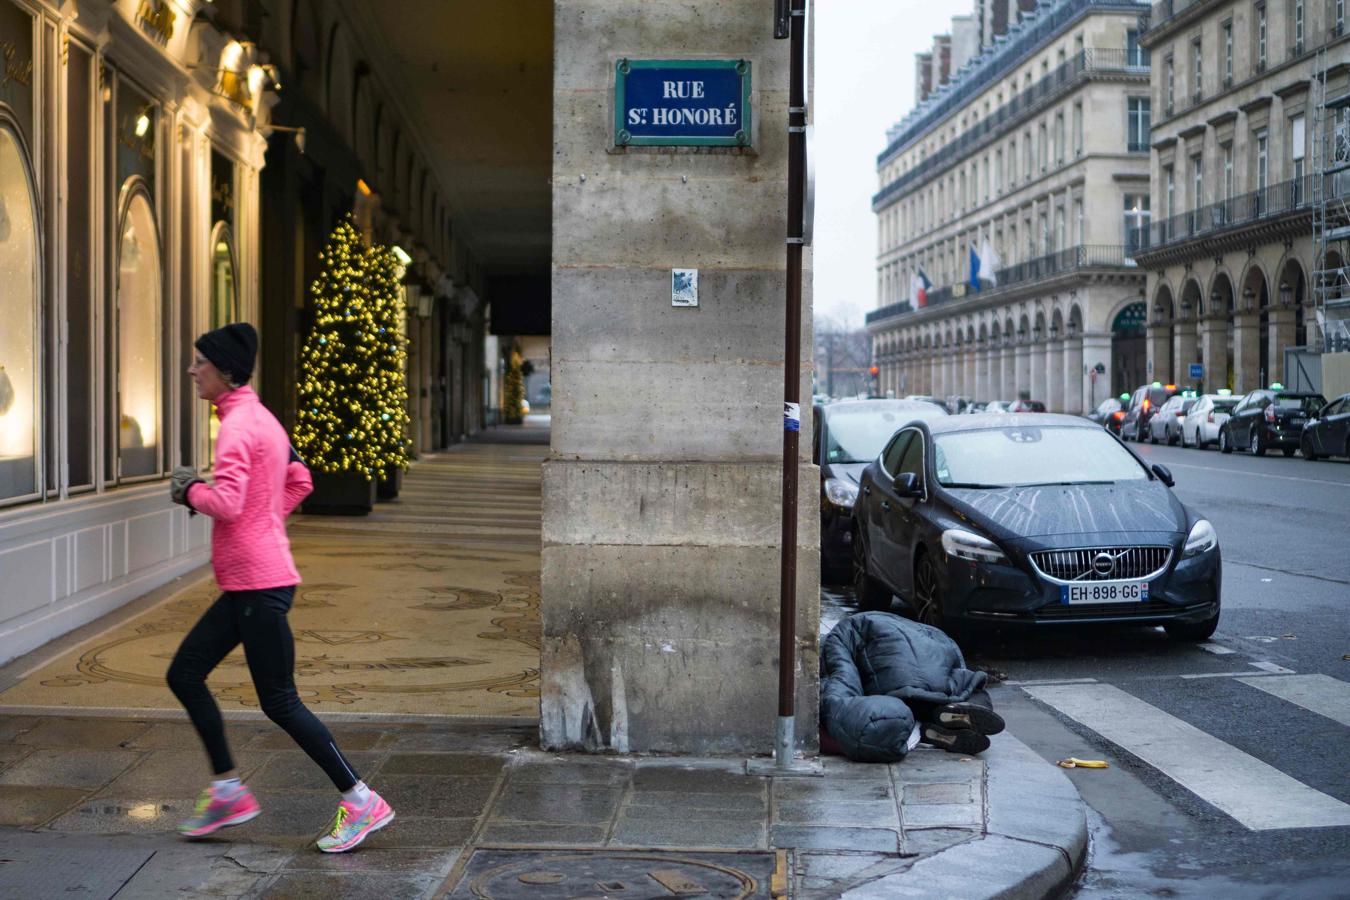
x: 1034, y: 844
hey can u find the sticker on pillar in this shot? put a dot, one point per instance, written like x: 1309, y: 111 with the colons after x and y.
x: 792, y: 416
x: 684, y: 287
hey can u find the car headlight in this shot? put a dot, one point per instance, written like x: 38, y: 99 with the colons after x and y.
x: 967, y: 545
x: 1202, y: 539
x: 841, y: 492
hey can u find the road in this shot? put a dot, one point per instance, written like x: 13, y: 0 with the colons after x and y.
x: 1228, y: 761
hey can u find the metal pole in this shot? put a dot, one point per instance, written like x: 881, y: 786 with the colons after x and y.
x: 787, y: 643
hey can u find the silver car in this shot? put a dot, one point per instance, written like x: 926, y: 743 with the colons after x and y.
x: 1201, y: 426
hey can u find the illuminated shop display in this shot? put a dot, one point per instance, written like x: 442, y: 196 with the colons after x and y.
x: 19, y: 271
x: 138, y: 369
x: 224, y: 308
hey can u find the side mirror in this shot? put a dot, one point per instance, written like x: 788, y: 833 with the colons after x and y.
x: 906, y: 484
x: 1164, y: 474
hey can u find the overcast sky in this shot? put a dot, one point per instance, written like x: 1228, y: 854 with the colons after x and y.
x: 864, y: 83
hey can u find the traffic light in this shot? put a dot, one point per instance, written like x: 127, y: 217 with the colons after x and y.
x: 874, y: 371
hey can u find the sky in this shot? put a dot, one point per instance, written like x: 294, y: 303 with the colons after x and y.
x: 864, y: 83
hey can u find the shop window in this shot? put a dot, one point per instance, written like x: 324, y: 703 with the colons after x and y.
x: 139, y: 290
x: 19, y: 273
x: 224, y: 307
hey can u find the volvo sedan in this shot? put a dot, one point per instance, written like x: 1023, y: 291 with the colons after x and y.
x: 1041, y: 520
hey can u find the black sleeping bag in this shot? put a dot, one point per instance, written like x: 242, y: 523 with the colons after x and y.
x: 871, y: 663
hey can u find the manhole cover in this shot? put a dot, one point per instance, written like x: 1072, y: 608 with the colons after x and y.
x: 613, y: 875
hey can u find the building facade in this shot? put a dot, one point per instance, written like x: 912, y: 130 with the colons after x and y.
x: 1034, y: 161
x: 157, y: 181
x: 1230, y: 252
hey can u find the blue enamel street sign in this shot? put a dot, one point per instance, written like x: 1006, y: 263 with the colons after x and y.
x: 682, y: 102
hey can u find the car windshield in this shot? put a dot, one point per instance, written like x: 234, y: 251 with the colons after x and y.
x: 1027, y: 455
x: 1224, y: 405
x: 856, y: 435
x: 1309, y: 404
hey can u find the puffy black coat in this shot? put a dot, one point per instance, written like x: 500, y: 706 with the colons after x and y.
x: 871, y: 663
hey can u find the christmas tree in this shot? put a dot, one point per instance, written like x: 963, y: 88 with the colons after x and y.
x: 513, y: 399
x: 389, y: 382
x: 338, y: 425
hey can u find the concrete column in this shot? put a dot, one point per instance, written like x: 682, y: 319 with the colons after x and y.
x: 1007, y: 365
x: 1159, y: 344
x: 1037, y: 382
x: 1022, y: 378
x: 984, y: 383
x: 1096, y: 350
x: 1246, y: 352
x: 934, y: 373
x: 660, y: 543
x: 1185, y: 349
x: 1214, y: 349
x: 1054, y: 376
x: 1072, y: 382
x: 1280, y: 333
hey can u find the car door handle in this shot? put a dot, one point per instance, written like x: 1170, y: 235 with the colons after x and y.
x: 867, y: 489
x: 885, y: 504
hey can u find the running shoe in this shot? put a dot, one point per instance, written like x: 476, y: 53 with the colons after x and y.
x: 215, y: 811
x: 353, y: 824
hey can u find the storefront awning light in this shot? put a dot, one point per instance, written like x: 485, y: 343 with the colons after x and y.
x: 402, y: 255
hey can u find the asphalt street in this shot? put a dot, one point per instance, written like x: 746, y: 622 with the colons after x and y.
x: 1228, y: 773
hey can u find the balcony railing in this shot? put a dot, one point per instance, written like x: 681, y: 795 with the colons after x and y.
x: 1048, y: 266
x: 1166, y: 10
x: 1138, y: 146
x: 1275, y: 200
x: 995, y: 64
x: 1090, y: 60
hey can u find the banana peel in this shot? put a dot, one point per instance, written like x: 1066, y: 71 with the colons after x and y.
x: 1075, y: 763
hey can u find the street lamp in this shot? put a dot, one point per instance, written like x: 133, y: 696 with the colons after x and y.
x: 1054, y: 331
x: 1286, y: 294
x: 1248, y: 296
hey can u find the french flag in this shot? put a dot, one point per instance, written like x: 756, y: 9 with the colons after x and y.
x: 918, y: 289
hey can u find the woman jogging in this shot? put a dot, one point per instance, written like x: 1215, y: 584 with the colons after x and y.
x: 258, y: 480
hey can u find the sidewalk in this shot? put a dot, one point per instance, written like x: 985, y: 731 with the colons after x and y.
x: 430, y: 607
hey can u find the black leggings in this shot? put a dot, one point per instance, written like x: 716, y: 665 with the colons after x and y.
x: 258, y: 620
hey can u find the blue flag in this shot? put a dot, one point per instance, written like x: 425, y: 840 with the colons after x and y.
x: 974, y: 269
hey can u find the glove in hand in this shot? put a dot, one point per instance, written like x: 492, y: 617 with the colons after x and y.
x: 180, y: 481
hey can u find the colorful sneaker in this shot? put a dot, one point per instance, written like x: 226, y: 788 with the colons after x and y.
x: 354, y: 824
x: 215, y: 812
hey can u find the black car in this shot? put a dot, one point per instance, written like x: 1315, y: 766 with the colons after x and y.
x: 1038, y: 520
x: 1108, y: 415
x: 1269, y: 417
x: 1329, y: 433
x: 848, y: 435
x: 1144, y: 402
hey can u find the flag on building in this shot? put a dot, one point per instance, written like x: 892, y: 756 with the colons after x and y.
x: 989, y: 262
x: 974, y: 269
x: 918, y: 289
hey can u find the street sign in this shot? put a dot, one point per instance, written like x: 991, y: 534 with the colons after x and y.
x: 682, y: 103
x: 1197, y: 371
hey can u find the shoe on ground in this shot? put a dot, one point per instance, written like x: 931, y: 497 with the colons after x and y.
x: 354, y: 824
x: 215, y: 811
x: 967, y: 741
x: 970, y: 715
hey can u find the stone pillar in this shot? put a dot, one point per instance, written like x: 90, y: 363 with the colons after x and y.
x: 1022, y: 378
x: 1007, y: 366
x: 1280, y: 332
x: 1096, y: 350
x: 660, y: 543
x: 1036, y: 384
x: 934, y: 372
x: 1246, y: 352
x: 1159, y: 345
x: 1214, y: 349
x: 984, y: 383
x: 971, y: 371
x: 1054, y: 376
x: 1185, y: 350
x: 1073, y: 377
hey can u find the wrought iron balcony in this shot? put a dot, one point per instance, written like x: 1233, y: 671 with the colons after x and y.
x: 1275, y: 200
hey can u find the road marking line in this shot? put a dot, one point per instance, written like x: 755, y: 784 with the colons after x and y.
x: 1054, y: 681
x: 1321, y: 694
x: 1260, y: 474
x: 1216, y: 649
x: 1257, y: 795
x: 1242, y: 674
x: 1272, y: 668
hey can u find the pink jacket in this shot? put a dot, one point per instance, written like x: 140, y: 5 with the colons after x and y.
x: 255, y: 487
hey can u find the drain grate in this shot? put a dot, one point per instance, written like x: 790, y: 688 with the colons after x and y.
x: 614, y: 875
x: 61, y: 872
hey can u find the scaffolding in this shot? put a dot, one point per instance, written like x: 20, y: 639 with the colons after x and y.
x: 1331, y: 212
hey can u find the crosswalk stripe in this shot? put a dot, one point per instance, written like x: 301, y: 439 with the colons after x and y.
x: 1321, y: 694
x: 1257, y: 795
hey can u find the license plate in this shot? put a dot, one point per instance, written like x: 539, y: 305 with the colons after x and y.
x: 1104, y: 592
x: 1298, y: 421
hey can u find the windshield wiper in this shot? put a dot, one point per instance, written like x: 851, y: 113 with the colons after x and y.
x: 973, y: 485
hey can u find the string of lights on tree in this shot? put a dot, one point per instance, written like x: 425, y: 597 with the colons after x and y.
x: 353, y: 392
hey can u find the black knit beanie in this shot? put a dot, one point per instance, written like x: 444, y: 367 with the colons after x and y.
x: 231, y: 349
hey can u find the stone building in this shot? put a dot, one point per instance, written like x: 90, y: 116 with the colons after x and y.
x: 1034, y: 158
x: 1230, y: 250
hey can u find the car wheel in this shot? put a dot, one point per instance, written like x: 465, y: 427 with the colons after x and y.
x: 1256, y: 447
x: 1306, y: 446
x: 872, y: 595
x: 1192, y: 631
x: 927, y: 601
x: 1173, y: 439
x: 1225, y: 442
x: 1152, y: 436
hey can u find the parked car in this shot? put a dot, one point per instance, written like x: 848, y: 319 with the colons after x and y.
x: 1038, y: 520
x: 1108, y: 415
x: 999, y: 406
x: 1269, y: 417
x: 847, y: 436
x: 974, y: 408
x: 1201, y: 426
x: 1144, y: 402
x: 1165, y: 424
x: 1025, y: 406
x: 1328, y: 434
